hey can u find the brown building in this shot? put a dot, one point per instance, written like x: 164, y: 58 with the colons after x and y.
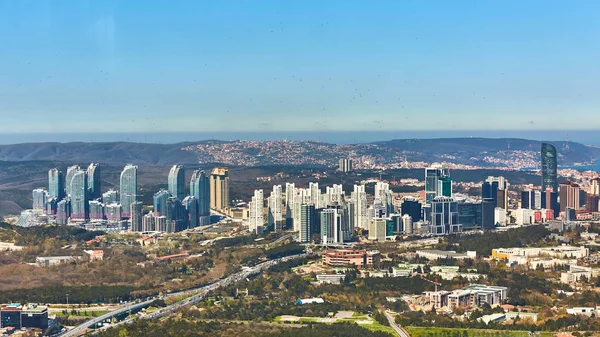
x: 569, y: 195
x: 348, y: 257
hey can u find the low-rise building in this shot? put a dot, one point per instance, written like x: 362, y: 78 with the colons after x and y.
x: 563, y: 251
x: 24, y: 316
x: 94, y: 255
x: 310, y: 300
x: 472, y: 295
x: 405, y: 270
x: 435, y: 254
x: 575, y: 274
x: 331, y: 278
x: 347, y: 257
x: 47, y: 261
x: 492, y: 318
x: 533, y: 316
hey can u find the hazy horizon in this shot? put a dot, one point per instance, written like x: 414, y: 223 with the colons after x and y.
x: 588, y: 137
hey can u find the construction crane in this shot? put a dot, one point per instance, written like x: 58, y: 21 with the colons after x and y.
x: 436, y: 283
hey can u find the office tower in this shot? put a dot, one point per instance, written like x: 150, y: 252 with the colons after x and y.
x: 377, y: 229
x: 191, y: 206
x: 176, y: 182
x: 549, y: 162
x: 79, y: 195
x: 56, y: 184
x: 407, y: 224
x: 136, y: 216
x: 591, y: 203
x: 94, y: 181
x: 359, y: 198
x: 531, y: 199
x: 550, y: 201
x: 176, y: 215
x: 315, y: 194
x: 377, y: 211
x: 39, y: 197
x: 110, y: 196
x: 444, y: 216
x: 275, y: 216
x: 331, y: 226
x: 437, y: 183
x: 385, y: 196
x: 114, y: 212
x: 488, y: 206
x: 148, y: 223
x: 345, y: 165
x: 412, y: 207
x: 290, y: 192
x: 160, y: 201
x: 256, y: 218
x: 307, y: 221
x: 470, y: 215
x: 569, y: 196
x: 70, y: 172
x: 96, y: 210
x: 128, y: 188
x: 595, y: 186
x: 496, y: 188
x: 200, y: 189
x: 62, y: 212
x: 219, y: 188
x: 349, y: 210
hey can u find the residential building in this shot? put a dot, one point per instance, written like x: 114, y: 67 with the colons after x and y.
x: 307, y: 222
x: 331, y: 226
x: 56, y: 184
x: 39, y: 197
x: 46, y: 261
x: 160, y: 200
x: 256, y: 220
x: 191, y: 206
x: 94, y: 181
x: 96, y: 210
x: 136, y: 216
x: 200, y: 189
x: 176, y: 181
x: 359, y: 199
x: 79, y: 195
x: 274, y: 212
x: 128, y: 188
x: 70, y: 172
x: 345, y: 165
x: 110, y: 196
x: 569, y: 193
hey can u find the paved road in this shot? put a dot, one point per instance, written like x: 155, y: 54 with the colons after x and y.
x: 200, y: 294
x: 400, y: 331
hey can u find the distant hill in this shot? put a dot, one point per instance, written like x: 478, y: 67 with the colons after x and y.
x: 112, y: 153
x: 484, y: 152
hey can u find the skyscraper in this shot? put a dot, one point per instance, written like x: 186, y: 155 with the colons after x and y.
x: 496, y: 188
x: 290, y: 192
x: 331, y: 226
x: 359, y: 198
x: 63, y: 212
x: 569, y: 196
x: 79, y: 195
x: 96, y: 210
x: 160, y: 201
x: 256, y: 218
x: 219, y: 188
x: 444, y: 216
x: 110, y: 196
x: 39, y: 197
x: 384, y: 195
x: 114, y: 212
x: 200, y: 189
x: 307, y: 220
x: 191, y: 205
x: 56, y: 184
x: 128, y: 188
x: 275, y: 216
x: 136, y: 216
x: 345, y: 165
x: 70, y: 172
x: 94, y: 181
x: 377, y: 229
x: 176, y: 182
x: 437, y: 183
x: 412, y: 207
x: 315, y: 194
x: 549, y: 162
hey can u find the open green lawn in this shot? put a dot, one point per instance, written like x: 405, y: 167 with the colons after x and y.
x: 83, y: 313
x: 447, y: 332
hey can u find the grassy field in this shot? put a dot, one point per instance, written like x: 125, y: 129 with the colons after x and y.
x: 83, y: 313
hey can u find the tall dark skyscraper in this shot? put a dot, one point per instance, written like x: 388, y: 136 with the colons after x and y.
x: 200, y: 190
x: 549, y: 161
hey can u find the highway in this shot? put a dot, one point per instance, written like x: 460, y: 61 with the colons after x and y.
x: 400, y: 331
x: 199, y: 295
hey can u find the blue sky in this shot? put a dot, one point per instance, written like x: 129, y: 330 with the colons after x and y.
x: 149, y: 66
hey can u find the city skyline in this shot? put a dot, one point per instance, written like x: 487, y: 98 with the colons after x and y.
x: 276, y: 66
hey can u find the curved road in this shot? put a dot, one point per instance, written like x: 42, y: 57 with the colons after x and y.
x: 200, y: 294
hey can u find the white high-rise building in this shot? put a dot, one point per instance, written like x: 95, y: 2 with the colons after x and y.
x: 315, y: 194
x: 334, y: 195
x: 385, y: 196
x: 275, y: 216
x: 359, y: 198
x: 331, y: 226
x: 256, y: 219
x: 290, y: 193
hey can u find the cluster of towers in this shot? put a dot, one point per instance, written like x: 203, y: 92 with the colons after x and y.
x: 76, y: 197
